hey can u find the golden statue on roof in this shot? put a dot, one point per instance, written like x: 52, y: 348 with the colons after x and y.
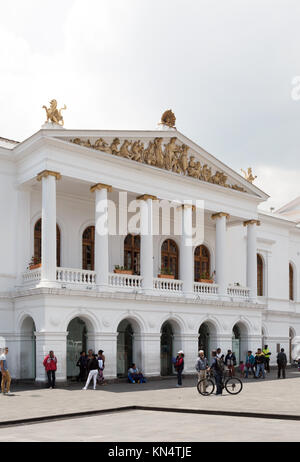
x: 248, y: 175
x: 54, y: 114
x: 168, y: 118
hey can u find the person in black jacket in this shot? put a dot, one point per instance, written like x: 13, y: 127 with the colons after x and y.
x: 281, y: 363
x: 93, y: 368
x: 82, y: 364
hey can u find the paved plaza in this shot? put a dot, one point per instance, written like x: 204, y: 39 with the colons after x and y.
x: 273, y: 398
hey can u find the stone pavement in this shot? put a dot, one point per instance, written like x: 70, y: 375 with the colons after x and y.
x: 270, y: 396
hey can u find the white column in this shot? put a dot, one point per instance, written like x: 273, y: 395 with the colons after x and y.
x: 221, y: 251
x: 23, y: 232
x: 146, y: 255
x: 186, y: 260
x: 151, y: 354
x: 106, y: 341
x: 252, y: 257
x: 190, y: 349
x: 56, y: 341
x: 48, y: 179
x: 101, y: 234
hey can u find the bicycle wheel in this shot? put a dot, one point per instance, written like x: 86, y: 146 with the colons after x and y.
x: 233, y: 385
x: 205, y: 387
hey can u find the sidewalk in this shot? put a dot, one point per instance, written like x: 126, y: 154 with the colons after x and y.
x: 271, y: 396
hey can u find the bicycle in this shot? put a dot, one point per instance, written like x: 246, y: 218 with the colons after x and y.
x: 233, y: 385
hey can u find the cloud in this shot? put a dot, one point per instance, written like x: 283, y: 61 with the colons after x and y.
x: 225, y: 68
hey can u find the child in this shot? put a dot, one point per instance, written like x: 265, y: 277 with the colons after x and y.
x: 242, y: 368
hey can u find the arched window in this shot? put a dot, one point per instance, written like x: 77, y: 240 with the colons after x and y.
x: 291, y: 282
x: 169, y: 257
x: 202, y: 263
x: 260, y: 276
x: 132, y: 248
x: 38, y: 243
x: 88, y: 248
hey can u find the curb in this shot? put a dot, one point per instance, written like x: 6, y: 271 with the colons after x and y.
x: 55, y: 417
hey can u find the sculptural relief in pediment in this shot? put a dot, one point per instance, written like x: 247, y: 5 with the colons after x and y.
x: 170, y: 156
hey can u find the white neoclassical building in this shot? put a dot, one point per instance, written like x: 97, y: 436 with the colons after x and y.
x: 139, y: 243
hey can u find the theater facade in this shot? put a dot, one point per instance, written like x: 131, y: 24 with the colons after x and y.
x: 139, y: 243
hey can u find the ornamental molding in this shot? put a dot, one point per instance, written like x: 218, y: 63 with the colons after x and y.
x: 170, y: 156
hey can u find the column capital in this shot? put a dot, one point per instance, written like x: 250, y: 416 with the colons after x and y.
x: 251, y: 222
x: 46, y: 173
x: 219, y: 215
x: 101, y: 186
x: 145, y: 197
x: 182, y: 206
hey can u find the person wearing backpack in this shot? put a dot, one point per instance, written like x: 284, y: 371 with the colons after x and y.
x: 217, y: 366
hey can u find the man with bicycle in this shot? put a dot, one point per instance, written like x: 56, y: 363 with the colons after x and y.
x: 218, y: 367
x: 201, y: 368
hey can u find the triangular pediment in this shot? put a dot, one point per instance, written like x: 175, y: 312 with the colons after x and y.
x: 170, y: 151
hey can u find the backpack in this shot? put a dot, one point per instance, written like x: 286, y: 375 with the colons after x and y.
x: 220, y: 366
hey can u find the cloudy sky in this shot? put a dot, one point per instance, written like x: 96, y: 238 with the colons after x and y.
x: 226, y: 68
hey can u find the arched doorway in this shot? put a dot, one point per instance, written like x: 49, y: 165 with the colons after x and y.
x: 128, y: 346
x: 170, y: 257
x: 201, y: 263
x: 166, y: 349
x: 170, y: 344
x: 88, y: 248
x: 38, y: 243
x: 27, y: 349
x: 207, y: 338
x: 76, y: 342
x: 240, y: 341
x: 132, y: 248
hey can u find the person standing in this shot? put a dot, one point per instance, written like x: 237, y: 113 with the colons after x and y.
x: 50, y: 364
x: 267, y: 354
x: 6, y: 378
x: 201, y: 368
x: 101, y: 361
x: 82, y: 364
x: 260, y: 363
x: 179, y: 366
x: 230, y: 361
x: 217, y: 366
x: 250, y: 363
x: 93, y: 368
x: 281, y: 363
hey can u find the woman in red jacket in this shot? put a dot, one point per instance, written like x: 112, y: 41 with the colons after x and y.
x: 50, y: 363
x: 179, y: 366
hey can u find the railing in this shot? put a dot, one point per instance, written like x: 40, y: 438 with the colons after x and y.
x: 238, y: 292
x: 167, y: 285
x: 32, y: 276
x: 204, y: 288
x: 125, y: 281
x: 75, y: 276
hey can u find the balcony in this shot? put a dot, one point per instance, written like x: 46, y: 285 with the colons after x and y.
x: 78, y: 279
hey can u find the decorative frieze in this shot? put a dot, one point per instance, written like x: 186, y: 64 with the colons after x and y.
x: 171, y: 156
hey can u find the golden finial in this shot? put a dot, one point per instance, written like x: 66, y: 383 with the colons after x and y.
x: 168, y: 118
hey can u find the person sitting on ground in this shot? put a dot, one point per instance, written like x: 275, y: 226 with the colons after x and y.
x: 134, y: 375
